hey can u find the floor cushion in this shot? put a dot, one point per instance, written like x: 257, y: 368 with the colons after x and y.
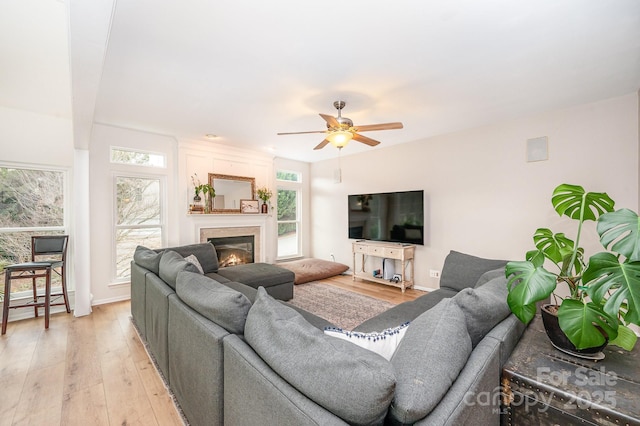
x: 310, y: 269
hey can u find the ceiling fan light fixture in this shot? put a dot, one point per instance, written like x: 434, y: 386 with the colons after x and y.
x: 339, y: 138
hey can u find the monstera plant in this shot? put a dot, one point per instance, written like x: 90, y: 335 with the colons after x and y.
x: 602, y: 294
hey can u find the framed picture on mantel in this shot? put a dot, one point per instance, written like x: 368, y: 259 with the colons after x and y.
x: 249, y: 206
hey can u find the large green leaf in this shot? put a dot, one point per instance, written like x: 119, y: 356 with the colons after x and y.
x: 578, y: 320
x: 610, y: 282
x: 527, y: 285
x: 554, y: 246
x: 626, y: 338
x: 620, y: 232
x: 559, y: 249
x: 573, y: 201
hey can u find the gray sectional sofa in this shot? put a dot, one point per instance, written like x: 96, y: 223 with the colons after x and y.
x: 237, y: 355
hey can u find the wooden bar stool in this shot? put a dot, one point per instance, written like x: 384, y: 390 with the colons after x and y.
x: 48, y: 245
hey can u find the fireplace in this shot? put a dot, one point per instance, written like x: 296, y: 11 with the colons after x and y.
x: 236, y: 250
x: 239, y: 239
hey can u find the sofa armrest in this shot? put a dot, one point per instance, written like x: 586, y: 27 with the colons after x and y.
x: 138, y: 295
x: 273, y: 400
x: 474, y: 398
x: 196, y: 373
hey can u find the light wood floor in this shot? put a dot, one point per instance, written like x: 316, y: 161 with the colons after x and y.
x: 93, y: 370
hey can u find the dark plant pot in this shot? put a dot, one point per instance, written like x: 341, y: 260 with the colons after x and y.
x: 265, y: 208
x: 560, y: 340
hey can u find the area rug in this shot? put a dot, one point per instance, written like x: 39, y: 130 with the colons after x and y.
x: 343, y: 308
x: 309, y: 269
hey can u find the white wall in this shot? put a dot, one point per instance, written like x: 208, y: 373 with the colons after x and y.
x: 481, y: 195
x: 27, y: 137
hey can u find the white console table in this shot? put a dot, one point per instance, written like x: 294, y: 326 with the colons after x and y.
x: 397, y: 251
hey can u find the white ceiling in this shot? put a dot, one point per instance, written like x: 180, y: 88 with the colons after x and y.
x: 246, y: 70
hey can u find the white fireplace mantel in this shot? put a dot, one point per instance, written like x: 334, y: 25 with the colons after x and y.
x: 205, y: 221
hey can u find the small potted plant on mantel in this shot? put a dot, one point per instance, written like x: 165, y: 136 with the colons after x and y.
x: 603, y: 293
x: 206, y: 189
x: 265, y: 195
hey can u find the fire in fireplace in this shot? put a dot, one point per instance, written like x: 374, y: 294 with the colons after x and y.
x: 234, y: 250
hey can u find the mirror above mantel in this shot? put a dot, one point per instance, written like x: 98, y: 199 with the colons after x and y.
x: 230, y: 190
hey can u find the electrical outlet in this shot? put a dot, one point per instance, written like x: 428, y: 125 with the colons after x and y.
x: 434, y: 273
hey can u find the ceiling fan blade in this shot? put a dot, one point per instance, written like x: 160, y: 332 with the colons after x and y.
x: 331, y: 120
x: 302, y: 133
x: 382, y: 126
x: 322, y: 144
x: 365, y: 140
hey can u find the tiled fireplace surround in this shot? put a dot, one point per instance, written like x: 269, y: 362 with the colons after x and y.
x: 199, y: 227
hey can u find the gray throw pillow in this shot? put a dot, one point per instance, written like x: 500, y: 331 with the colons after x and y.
x: 463, y: 270
x: 171, y: 263
x: 226, y: 307
x: 351, y: 382
x: 147, y: 258
x: 193, y: 259
x: 432, y: 353
x: 488, y: 276
x: 484, y: 307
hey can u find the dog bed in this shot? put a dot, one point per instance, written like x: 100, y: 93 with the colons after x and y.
x: 310, y: 269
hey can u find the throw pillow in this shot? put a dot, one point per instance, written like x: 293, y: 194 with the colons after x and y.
x: 428, y: 360
x: 484, y: 307
x: 171, y: 263
x: 488, y: 276
x: 226, y: 307
x: 347, y: 380
x: 193, y: 259
x: 147, y: 258
x: 463, y: 270
x: 384, y: 342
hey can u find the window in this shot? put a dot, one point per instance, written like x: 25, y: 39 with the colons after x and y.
x: 31, y: 203
x: 138, y: 219
x: 137, y: 158
x: 289, y: 213
x: 288, y: 176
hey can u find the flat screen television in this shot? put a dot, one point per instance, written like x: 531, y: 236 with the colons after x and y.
x: 388, y: 216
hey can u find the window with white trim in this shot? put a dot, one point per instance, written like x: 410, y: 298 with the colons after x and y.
x: 137, y: 157
x: 32, y: 202
x: 289, y: 213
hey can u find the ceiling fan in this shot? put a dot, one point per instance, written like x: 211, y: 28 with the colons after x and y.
x: 340, y: 130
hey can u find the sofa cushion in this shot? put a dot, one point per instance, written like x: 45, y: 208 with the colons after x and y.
x: 428, y: 360
x: 171, y: 263
x: 484, y: 307
x: 258, y: 274
x: 405, y: 312
x: 205, y: 252
x: 463, y: 270
x: 147, y: 258
x: 221, y: 304
x: 349, y: 381
x: 384, y: 342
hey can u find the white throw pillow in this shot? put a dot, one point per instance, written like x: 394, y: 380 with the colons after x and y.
x: 193, y: 259
x: 384, y: 342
